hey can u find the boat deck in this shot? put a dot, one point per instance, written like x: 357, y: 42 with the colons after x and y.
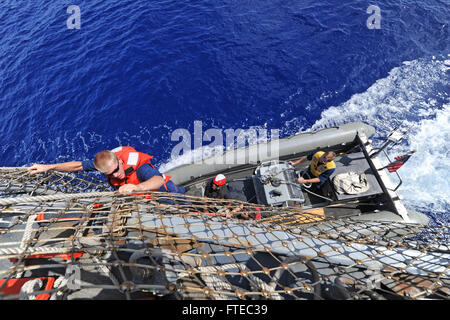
x: 356, y: 162
x: 241, y: 187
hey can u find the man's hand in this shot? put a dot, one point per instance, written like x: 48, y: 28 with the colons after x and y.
x: 301, y: 180
x: 245, y: 216
x: 39, y: 168
x: 70, y: 166
x: 129, y: 188
x: 294, y: 163
x: 234, y: 211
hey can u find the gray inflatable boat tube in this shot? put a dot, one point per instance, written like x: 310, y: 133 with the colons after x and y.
x: 274, y: 149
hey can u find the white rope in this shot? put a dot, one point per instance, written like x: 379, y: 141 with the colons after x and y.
x: 13, y: 168
x: 33, y: 250
x: 29, y: 287
x: 216, y: 282
x: 28, y: 231
x: 27, y: 199
x: 27, y: 235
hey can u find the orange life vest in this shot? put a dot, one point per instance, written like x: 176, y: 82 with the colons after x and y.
x: 132, y: 160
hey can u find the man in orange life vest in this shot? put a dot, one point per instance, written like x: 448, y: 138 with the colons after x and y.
x: 126, y: 170
x: 321, y: 168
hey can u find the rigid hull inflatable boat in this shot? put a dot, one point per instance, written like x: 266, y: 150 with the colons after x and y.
x: 272, y: 181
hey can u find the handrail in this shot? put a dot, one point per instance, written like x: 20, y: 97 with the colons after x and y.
x: 396, y: 172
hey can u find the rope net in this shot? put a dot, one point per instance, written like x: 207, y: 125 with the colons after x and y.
x: 58, y: 241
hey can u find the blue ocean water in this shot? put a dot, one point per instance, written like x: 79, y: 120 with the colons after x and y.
x: 136, y: 71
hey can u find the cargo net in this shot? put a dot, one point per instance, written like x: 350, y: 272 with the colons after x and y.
x: 16, y: 182
x: 101, y: 245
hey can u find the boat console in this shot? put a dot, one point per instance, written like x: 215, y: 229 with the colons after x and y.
x: 276, y: 184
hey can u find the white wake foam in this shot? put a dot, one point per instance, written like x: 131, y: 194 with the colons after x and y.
x: 413, y: 95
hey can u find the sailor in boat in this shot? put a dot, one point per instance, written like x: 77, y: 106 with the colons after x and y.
x: 216, y: 188
x: 126, y: 170
x: 321, y: 168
